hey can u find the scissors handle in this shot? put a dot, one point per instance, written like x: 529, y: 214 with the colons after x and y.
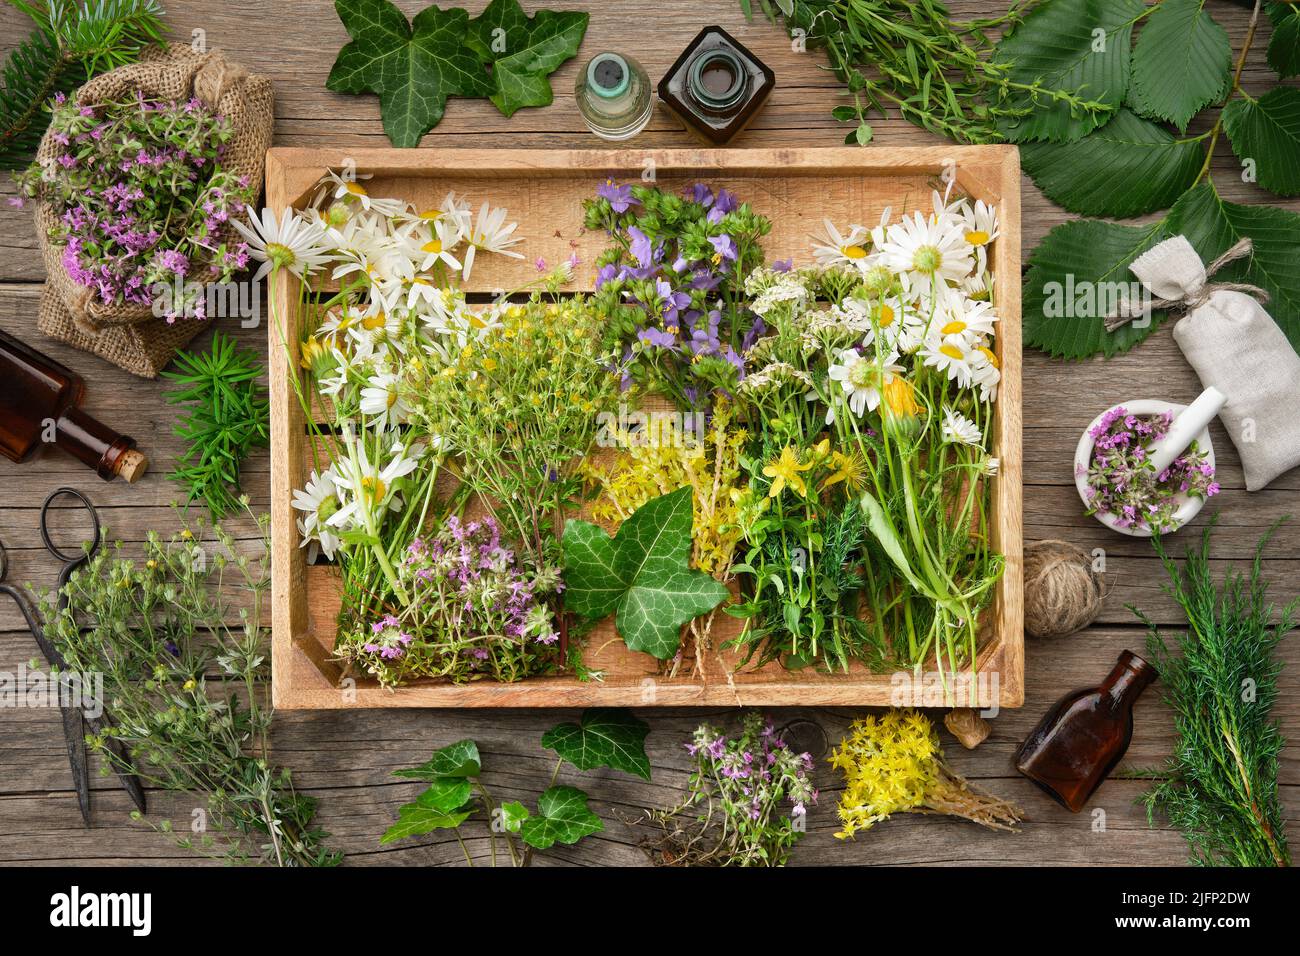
x: 70, y: 561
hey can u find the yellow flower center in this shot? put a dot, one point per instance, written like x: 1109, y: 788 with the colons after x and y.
x: 373, y: 488
x: 853, y: 252
x: 373, y: 323
x: 927, y: 259
x: 954, y: 327
x: 885, y: 316
x: 433, y: 247
x: 952, y: 352
x: 392, y: 398
x: 977, y: 237
x: 993, y: 359
x: 356, y: 189
x: 431, y: 215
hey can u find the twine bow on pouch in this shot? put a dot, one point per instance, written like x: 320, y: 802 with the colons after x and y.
x: 1173, y: 273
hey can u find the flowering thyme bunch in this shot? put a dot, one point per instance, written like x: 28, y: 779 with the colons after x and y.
x: 474, y: 612
x: 142, y: 197
x: 1122, y: 483
x: 672, y: 284
x: 734, y: 814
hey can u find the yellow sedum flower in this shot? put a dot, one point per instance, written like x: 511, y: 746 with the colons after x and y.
x: 889, y: 765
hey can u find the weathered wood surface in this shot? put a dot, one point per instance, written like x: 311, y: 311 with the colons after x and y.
x: 344, y: 758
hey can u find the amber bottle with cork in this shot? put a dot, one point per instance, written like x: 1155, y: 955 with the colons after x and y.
x: 39, y: 405
x: 1081, y: 739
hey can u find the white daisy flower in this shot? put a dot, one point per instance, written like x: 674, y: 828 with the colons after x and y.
x: 948, y: 355
x: 978, y: 287
x: 965, y: 318
x: 350, y: 189
x: 491, y: 233
x: 985, y: 373
x: 959, y: 429
x: 378, y: 485
x: 980, y: 228
x: 380, y: 399
x: 292, y: 243
x: 834, y: 248
x: 931, y: 254
x: 862, y: 379
x: 991, y: 466
x: 319, y: 501
x: 430, y: 243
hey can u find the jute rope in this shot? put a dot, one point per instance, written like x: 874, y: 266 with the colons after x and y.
x: 1128, y: 310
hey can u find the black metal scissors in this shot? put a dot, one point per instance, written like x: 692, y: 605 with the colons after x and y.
x: 75, y: 718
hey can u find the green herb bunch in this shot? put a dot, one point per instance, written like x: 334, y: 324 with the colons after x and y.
x: 602, y: 737
x: 71, y: 43
x: 185, y: 690
x: 938, y: 73
x: 1220, y: 788
x: 747, y: 802
x: 226, y: 417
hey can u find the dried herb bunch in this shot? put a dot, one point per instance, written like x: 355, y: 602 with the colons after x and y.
x: 1220, y: 785
x: 185, y: 691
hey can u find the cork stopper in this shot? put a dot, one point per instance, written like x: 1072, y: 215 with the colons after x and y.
x: 132, y: 465
x: 966, y: 724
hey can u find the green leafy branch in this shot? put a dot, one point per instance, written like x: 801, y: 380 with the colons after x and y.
x: 602, y: 737
x: 71, y: 43
x: 1181, y: 63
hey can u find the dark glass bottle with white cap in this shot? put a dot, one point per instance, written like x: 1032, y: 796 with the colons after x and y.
x: 716, y: 86
x: 614, y: 96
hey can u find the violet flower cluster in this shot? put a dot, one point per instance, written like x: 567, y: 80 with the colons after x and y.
x: 474, y: 612
x: 143, y: 199
x: 1123, y: 483
x: 673, y: 286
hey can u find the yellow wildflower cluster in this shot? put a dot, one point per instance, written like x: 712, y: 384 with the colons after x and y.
x: 712, y: 469
x: 890, y: 764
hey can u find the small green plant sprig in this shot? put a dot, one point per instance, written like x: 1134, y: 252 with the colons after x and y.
x: 225, y: 417
x: 71, y: 43
x: 747, y: 802
x: 1219, y: 789
x: 185, y: 690
x: 602, y: 737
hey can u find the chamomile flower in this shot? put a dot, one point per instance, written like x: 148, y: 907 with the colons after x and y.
x: 861, y: 380
x: 930, y: 252
x: 377, y: 489
x: 985, y: 373
x: 319, y: 501
x: 437, y: 245
x: 959, y: 317
x: 959, y: 429
x: 381, y: 399
x: 835, y: 248
x: 949, y: 355
x: 978, y: 287
x: 491, y: 233
x: 350, y: 189
x: 980, y: 223
x: 291, y: 243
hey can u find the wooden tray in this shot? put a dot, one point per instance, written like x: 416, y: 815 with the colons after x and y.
x: 543, y: 190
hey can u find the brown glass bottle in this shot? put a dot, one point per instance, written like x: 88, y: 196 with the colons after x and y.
x: 716, y: 86
x: 38, y: 405
x: 1085, y: 734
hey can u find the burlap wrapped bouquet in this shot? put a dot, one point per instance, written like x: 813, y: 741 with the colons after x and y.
x: 130, y: 335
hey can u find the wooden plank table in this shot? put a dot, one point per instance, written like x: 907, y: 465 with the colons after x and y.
x: 344, y: 758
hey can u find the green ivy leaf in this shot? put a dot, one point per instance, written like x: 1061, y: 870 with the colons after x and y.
x: 1267, y: 131
x: 602, y: 737
x: 1181, y: 64
x: 1074, y: 276
x: 1145, y: 168
x: 523, y: 52
x: 643, y: 573
x: 460, y: 759
x: 562, y: 817
x: 1284, y: 45
x: 412, y: 66
x: 422, y: 816
x: 1056, y: 47
x: 513, y: 815
x: 1212, y: 226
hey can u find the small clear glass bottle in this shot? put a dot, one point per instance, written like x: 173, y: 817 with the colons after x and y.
x: 614, y: 96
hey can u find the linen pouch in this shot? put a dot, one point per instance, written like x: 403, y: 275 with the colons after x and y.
x: 1235, y: 346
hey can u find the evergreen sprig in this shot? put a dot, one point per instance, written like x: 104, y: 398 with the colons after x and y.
x: 227, y: 417
x: 1220, y: 785
x: 71, y: 43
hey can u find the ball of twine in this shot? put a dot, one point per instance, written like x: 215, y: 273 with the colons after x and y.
x: 1063, y: 593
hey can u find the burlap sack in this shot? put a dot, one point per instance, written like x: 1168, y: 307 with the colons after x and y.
x: 130, y: 336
